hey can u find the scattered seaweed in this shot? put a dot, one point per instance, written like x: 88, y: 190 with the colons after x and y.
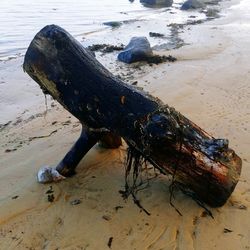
x: 136, y: 169
x: 50, y: 191
x: 106, y: 48
x: 118, y: 207
x: 42, y: 136
x: 136, y: 176
x: 155, y: 34
x: 227, y: 230
x: 110, y: 242
x: 156, y: 59
x: 51, y: 197
x: 10, y: 150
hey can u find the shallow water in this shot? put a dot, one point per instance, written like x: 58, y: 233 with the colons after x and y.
x: 21, y: 20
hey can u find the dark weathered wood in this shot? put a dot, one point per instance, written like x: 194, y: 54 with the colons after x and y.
x: 201, y: 164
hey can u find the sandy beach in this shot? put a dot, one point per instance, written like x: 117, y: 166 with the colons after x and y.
x: 209, y: 83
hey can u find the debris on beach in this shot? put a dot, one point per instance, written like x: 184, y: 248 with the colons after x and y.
x: 192, y: 4
x: 50, y: 191
x: 113, y: 24
x: 227, y: 230
x: 106, y: 48
x: 51, y: 197
x: 155, y: 34
x: 75, y: 202
x: 157, y: 3
x: 48, y: 174
x: 110, y: 242
x: 157, y: 59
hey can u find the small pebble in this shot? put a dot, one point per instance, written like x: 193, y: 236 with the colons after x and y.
x: 243, y: 207
x: 106, y: 217
x: 226, y: 230
x: 75, y: 202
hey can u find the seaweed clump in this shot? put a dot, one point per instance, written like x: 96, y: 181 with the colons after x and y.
x: 156, y: 59
x: 105, y: 48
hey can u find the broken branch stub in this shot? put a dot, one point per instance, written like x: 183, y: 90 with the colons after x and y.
x: 201, y: 164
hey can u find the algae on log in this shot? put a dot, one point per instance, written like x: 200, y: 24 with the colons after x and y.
x: 105, y: 105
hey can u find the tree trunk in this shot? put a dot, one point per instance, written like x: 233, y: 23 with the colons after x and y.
x: 200, y: 163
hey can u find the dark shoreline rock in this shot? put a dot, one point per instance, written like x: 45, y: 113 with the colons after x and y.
x: 118, y: 24
x: 198, y: 4
x: 138, y: 49
x: 157, y: 3
x: 113, y: 24
x: 192, y: 4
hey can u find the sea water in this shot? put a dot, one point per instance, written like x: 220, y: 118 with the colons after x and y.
x: 20, y: 20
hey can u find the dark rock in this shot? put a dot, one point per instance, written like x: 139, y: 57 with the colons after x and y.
x: 75, y: 202
x: 192, y: 4
x: 161, y: 3
x: 138, y: 49
x: 154, y: 34
x: 113, y: 24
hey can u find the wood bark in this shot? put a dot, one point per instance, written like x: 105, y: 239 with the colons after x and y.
x: 201, y: 164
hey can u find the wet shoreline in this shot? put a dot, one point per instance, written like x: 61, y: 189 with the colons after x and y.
x: 13, y: 45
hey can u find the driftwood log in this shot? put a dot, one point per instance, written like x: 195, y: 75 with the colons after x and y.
x: 109, y: 109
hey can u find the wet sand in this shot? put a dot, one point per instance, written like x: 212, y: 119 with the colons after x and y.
x: 209, y: 83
